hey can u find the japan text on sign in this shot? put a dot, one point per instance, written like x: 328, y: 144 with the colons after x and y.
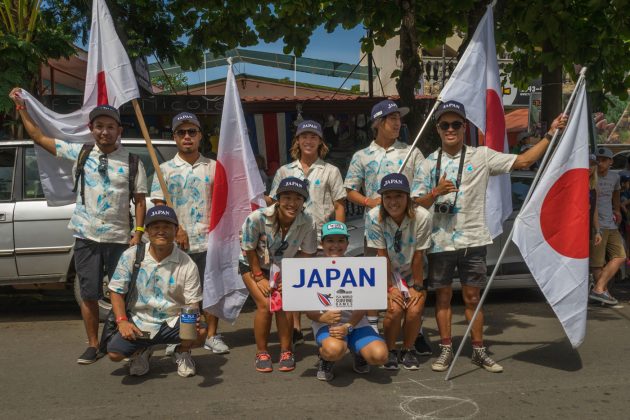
x: 310, y: 284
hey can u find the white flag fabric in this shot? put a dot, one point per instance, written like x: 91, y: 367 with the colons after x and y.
x: 109, y: 80
x: 238, y: 188
x: 475, y: 83
x: 552, y: 229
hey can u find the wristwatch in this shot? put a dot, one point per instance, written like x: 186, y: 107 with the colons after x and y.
x: 349, y: 327
x: 417, y: 287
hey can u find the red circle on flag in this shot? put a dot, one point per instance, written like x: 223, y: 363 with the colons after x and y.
x: 564, y: 214
x: 219, y: 195
x: 495, y: 121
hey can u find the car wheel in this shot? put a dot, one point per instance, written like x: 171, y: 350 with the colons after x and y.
x: 104, y: 305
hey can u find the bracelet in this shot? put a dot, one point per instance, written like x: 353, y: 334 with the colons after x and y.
x: 548, y: 136
x: 140, y: 229
x: 389, y: 289
x: 20, y: 107
x: 365, y: 201
x: 121, y: 319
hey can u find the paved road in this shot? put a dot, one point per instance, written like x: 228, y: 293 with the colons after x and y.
x: 543, y: 378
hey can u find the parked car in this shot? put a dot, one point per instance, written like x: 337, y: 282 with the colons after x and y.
x: 36, y: 246
x: 513, y: 272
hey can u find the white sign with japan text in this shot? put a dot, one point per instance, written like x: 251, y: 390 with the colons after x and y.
x: 310, y: 284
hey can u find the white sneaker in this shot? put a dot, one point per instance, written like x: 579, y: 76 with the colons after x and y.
x: 139, y: 364
x: 216, y: 345
x: 170, y: 349
x: 185, y: 364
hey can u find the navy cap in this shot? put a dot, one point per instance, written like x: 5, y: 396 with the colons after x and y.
x: 387, y: 107
x: 309, y: 126
x: 394, y: 182
x: 450, y: 106
x: 161, y: 213
x: 105, y: 111
x: 184, y: 117
x: 293, y: 184
x: 604, y: 152
x: 625, y: 178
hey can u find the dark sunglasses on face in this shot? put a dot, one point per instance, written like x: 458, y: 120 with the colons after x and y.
x: 280, y: 251
x: 102, y: 164
x: 192, y: 132
x: 398, y: 241
x: 455, y: 124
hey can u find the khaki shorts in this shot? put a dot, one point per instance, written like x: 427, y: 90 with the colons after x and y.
x: 610, y: 247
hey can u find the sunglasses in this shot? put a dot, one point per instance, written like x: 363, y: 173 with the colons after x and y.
x: 398, y: 241
x: 102, y: 164
x: 280, y: 251
x: 192, y: 132
x: 455, y: 124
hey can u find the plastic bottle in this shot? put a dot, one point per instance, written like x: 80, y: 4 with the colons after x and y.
x: 188, y: 323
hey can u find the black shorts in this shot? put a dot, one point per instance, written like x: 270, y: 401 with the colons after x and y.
x: 199, y: 258
x: 166, y: 335
x: 469, y: 262
x: 92, y: 260
x: 244, y: 269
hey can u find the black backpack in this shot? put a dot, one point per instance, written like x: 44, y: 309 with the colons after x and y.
x: 110, y: 327
x: 79, y: 173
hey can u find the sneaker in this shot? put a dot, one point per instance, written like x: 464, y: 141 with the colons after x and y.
x: 170, y: 349
x: 185, y: 364
x: 89, y: 356
x: 139, y: 363
x: 409, y: 359
x: 480, y: 358
x: 603, y: 297
x: 392, y: 361
x: 360, y: 365
x: 263, y: 362
x: 298, y: 337
x: 287, y: 361
x: 216, y: 345
x: 444, y: 360
x: 422, y: 346
x: 325, y: 370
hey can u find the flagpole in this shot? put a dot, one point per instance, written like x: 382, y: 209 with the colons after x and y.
x: 417, y: 139
x: 147, y: 139
x: 548, y: 153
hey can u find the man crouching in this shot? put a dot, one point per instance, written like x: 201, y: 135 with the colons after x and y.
x: 167, y: 281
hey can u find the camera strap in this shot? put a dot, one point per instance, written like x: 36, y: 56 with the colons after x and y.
x: 460, y: 170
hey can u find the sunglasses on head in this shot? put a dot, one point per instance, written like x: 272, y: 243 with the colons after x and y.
x: 102, y: 164
x: 280, y: 251
x: 398, y: 241
x: 455, y: 124
x: 192, y: 132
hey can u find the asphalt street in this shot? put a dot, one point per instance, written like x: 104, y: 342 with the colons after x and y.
x: 543, y: 378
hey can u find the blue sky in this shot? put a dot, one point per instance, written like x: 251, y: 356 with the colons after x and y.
x: 341, y: 45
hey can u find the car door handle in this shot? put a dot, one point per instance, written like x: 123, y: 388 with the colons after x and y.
x: 3, y: 217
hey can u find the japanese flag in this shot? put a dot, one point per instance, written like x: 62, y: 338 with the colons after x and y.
x: 552, y: 229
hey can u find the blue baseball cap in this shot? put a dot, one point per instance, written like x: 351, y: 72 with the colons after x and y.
x: 394, y: 182
x: 334, y: 228
x: 309, y: 126
x: 450, y: 106
x: 184, y: 117
x: 105, y: 111
x: 386, y: 107
x: 161, y: 213
x: 293, y: 184
x: 604, y: 152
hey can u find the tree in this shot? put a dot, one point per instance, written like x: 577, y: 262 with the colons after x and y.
x: 173, y: 83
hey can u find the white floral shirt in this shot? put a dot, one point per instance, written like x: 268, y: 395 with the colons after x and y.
x: 190, y: 188
x: 104, y: 217
x: 325, y: 187
x: 467, y: 226
x: 163, y: 288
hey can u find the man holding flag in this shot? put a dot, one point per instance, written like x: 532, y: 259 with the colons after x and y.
x: 454, y: 183
x: 105, y: 183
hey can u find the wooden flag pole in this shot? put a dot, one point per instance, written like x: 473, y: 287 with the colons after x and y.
x: 156, y: 164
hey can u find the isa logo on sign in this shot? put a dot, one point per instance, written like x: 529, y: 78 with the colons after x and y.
x: 310, y: 284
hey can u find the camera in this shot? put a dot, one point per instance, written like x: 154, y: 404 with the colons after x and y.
x: 444, y: 208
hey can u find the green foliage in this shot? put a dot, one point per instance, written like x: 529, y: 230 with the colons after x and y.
x: 172, y: 84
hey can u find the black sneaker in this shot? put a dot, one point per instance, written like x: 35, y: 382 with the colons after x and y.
x: 325, y: 370
x: 298, y: 337
x: 409, y: 359
x: 422, y: 346
x: 392, y: 361
x: 360, y: 365
x: 89, y: 356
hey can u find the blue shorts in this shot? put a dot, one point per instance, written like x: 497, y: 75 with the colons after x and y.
x: 359, y: 338
x: 166, y: 335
